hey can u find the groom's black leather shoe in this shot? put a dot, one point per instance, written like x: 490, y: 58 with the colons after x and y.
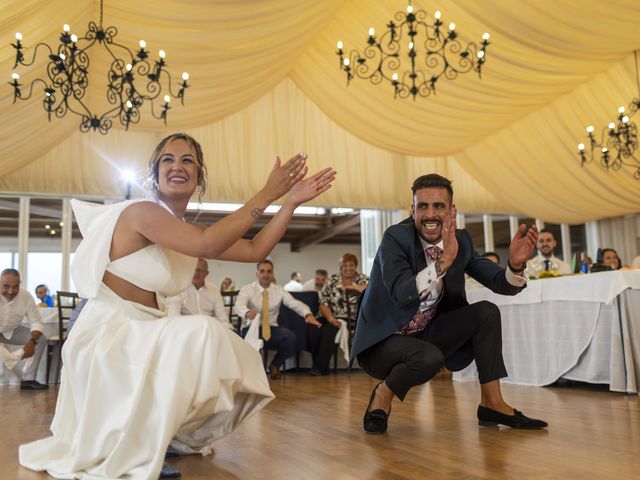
x: 375, y: 422
x: 488, y: 417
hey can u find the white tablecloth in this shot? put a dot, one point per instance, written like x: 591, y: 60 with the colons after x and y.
x: 581, y: 327
x: 50, y: 322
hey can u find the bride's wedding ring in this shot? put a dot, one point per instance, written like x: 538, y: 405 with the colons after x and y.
x: 291, y: 174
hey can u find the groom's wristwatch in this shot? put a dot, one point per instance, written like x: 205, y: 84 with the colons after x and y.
x: 514, y: 269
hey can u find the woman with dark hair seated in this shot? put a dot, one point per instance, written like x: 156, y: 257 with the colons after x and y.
x: 611, y: 259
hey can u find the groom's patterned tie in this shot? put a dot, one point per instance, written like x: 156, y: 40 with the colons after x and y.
x: 422, y: 318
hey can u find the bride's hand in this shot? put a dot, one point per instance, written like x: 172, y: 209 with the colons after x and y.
x: 310, y: 188
x: 284, y: 176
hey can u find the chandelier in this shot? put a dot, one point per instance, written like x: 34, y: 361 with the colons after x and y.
x: 618, y: 141
x: 130, y: 81
x: 439, y: 49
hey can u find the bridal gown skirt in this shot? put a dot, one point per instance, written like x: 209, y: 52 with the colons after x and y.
x: 135, y: 381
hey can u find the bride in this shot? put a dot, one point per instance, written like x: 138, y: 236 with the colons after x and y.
x: 134, y: 379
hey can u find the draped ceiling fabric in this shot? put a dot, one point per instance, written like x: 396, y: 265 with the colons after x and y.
x: 265, y: 81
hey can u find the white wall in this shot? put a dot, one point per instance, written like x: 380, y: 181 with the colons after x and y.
x: 285, y: 262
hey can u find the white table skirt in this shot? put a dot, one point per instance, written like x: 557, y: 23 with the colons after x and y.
x: 50, y: 322
x: 591, y: 336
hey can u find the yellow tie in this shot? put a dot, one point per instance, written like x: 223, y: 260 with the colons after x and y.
x: 266, y: 326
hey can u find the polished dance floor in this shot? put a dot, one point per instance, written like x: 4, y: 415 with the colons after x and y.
x: 313, y: 430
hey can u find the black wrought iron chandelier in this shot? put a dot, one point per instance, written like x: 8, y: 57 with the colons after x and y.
x: 130, y: 82
x: 439, y: 49
x: 618, y: 141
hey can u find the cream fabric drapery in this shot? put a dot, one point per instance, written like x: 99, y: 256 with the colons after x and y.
x: 266, y: 81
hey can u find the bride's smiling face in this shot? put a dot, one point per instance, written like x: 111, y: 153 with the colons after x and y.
x: 178, y: 170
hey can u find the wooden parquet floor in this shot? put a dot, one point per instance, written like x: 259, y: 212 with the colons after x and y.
x: 313, y: 430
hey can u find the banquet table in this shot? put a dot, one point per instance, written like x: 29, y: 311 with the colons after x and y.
x: 579, y: 327
x: 50, y: 322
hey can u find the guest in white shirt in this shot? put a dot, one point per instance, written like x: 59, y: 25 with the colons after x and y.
x: 294, y: 284
x: 203, y: 298
x: 546, y: 259
x: 317, y: 282
x: 264, y: 297
x: 15, y: 305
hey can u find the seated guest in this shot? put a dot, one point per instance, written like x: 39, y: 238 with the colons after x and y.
x: 294, y: 284
x: 42, y: 293
x: 333, y: 309
x: 202, y: 298
x: 264, y: 297
x: 16, y: 304
x: 546, y: 259
x: 227, y: 285
x: 611, y: 259
x: 317, y: 282
x: 607, y: 260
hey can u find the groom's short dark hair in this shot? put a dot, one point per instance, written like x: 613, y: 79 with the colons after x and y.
x: 433, y: 180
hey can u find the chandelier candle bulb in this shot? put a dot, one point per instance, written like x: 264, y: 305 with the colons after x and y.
x: 162, y: 54
x: 590, y: 129
x: 452, y: 26
x: 612, y: 126
x: 625, y: 119
x: 167, y: 98
x: 129, y: 104
x: 74, y: 38
x: 485, y: 36
x: 581, y: 146
x: 66, y: 28
x: 18, y: 36
x: 621, y: 109
x: 372, y: 32
x: 340, y: 44
x: 438, y: 14
x: 346, y: 62
x: 410, y: 8
x: 129, y: 67
x: 185, y: 76
x: 15, y: 76
x: 142, y: 44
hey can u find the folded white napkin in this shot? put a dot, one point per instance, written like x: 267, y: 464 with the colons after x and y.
x: 253, y: 334
x: 11, y: 359
x: 342, y: 339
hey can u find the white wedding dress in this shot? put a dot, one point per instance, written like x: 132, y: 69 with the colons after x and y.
x: 135, y: 380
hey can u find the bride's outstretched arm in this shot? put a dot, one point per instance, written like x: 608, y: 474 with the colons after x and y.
x: 160, y: 227
x: 261, y: 245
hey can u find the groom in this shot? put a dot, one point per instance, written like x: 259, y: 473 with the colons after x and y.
x: 414, y: 317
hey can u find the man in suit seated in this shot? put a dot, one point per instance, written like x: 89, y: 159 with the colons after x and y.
x: 265, y: 297
x: 414, y: 317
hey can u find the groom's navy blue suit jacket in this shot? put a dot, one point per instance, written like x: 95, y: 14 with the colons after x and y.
x: 391, y: 298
